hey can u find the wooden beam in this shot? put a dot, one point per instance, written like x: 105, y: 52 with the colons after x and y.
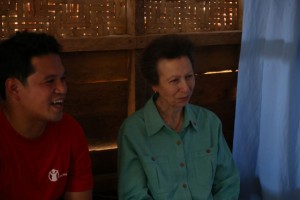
x: 105, y: 43
x: 199, y: 39
x: 129, y: 42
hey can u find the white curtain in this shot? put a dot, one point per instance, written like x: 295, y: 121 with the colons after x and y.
x: 267, y: 129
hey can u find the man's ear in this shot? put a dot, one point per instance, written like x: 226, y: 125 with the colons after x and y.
x: 12, y: 87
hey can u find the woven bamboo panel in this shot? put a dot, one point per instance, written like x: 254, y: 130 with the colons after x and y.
x: 169, y: 16
x: 63, y: 18
x: 84, y: 18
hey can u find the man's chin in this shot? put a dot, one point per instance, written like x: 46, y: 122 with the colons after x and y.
x: 57, y: 117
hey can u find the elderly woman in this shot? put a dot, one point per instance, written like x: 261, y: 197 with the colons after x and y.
x: 170, y: 149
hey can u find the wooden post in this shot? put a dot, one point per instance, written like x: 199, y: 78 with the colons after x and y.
x: 131, y: 95
x: 131, y: 20
x: 240, y: 15
x: 140, y: 29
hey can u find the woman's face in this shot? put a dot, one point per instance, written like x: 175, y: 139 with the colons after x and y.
x: 176, y: 82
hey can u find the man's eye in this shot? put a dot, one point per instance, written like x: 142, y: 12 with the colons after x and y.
x: 174, y: 81
x: 49, y: 81
x: 63, y: 78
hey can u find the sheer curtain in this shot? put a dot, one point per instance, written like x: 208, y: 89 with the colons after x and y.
x: 267, y: 129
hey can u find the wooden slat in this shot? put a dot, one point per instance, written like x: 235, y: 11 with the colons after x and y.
x: 216, y: 58
x: 140, y: 42
x: 98, y: 93
x: 216, y: 38
x: 225, y: 110
x: 131, y: 98
x: 199, y: 39
x: 142, y: 90
x: 214, y: 88
x: 98, y: 43
x: 100, y: 108
x: 104, y: 162
x: 92, y: 67
x: 101, y: 129
x: 127, y: 42
x: 95, y: 98
x: 104, y: 166
x: 217, y: 91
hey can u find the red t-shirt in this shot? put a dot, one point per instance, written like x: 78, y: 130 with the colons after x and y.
x: 46, y: 167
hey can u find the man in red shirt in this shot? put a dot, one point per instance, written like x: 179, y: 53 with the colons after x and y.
x: 43, y: 151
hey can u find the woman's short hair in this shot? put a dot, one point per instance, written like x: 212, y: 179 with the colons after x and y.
x: 165, y: 47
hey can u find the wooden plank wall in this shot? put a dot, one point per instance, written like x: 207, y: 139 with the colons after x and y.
x: 103, y: 75
x: 98, y: 93
x: 105, y: 85
x: 98, y: 83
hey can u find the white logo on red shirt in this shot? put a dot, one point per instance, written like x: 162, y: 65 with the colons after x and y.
x: 53, y: 175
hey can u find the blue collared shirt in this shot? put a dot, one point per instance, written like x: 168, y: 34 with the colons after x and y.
x: 155, y: 162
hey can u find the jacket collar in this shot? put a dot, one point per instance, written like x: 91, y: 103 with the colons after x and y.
x: 154, y: 121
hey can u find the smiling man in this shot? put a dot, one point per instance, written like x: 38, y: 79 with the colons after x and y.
x: 43, y: 152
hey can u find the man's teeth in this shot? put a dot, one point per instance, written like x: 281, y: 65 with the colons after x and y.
x: 57, y: 102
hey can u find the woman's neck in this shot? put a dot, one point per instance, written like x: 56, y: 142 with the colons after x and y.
x: 173, y: 117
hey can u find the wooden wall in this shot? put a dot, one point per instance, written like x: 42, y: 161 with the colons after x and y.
x: 102, y: 42
x: 105, y: 86
x: 98, y: 93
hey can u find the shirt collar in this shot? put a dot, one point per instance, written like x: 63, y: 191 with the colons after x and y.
x: 154, y: 121
x: 189, y: 117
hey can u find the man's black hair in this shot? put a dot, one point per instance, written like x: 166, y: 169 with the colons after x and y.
x: 16, y: 54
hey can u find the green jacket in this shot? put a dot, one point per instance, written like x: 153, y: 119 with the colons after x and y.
x: 157, y: 163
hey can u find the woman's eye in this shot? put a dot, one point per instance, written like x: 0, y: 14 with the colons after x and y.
x: 190, y: 76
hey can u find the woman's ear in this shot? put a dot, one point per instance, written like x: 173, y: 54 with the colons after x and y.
x: 154, y: 89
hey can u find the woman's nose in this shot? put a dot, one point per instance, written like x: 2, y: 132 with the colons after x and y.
x: 184, y: 86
